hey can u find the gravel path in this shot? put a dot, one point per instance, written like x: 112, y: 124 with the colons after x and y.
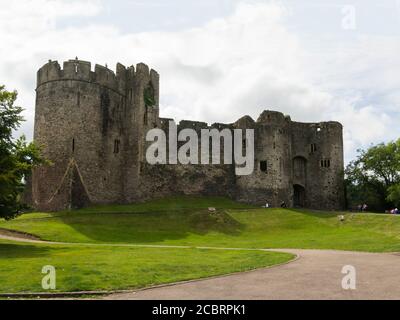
x: 315, y: 275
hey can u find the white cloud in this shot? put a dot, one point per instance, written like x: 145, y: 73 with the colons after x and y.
x: 32, y: 16
x: 229, y: 67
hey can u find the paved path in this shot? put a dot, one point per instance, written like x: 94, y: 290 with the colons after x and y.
x: 316, y: 274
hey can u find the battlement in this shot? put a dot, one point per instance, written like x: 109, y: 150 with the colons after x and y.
x: 196, y: 125
x: 272, y: 116
x: 80, y: 70
x: 327, y: 126
x: 221, y: 126
x: 244, y: 122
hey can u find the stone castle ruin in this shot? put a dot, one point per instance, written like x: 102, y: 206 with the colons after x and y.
x: 93, y: 125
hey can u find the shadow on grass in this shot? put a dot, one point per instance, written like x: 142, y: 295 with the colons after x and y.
x: 8, y: 251
x: 151, y: 227
x: 315, y: 213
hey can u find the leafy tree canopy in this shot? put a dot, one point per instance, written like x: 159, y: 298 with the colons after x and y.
x: 374, y: 177
x: 17, y: 156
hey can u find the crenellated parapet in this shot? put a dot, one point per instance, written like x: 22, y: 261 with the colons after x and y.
x: 268, y: 116
x: 318, y: 127
x: 195, y: 125
x: 79, y: 70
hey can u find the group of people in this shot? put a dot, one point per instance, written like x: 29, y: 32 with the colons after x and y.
x: 283, y: 205
x: 362, y: 207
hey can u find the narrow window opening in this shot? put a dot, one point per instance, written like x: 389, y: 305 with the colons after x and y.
x: 116, y: 146
x: 326, y: 163
x: 264, y: 166
x: 313, y: 147
x: 73, y: 145
x: 79, y: 99
x: 76, y: 68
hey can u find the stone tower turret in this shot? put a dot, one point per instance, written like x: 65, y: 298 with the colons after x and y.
x: 89, y: 125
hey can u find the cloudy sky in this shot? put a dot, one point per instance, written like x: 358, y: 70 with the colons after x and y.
x: 221, y: 59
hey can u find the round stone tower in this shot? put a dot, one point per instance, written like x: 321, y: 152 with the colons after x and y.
x: 87, y: 124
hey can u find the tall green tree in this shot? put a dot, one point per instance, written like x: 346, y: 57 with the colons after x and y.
x: 394, y: 195
x: 17, y: 156
x: 374, y: 177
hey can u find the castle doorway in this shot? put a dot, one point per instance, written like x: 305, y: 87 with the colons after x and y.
x: 299, y: 196
x: 299, y: 171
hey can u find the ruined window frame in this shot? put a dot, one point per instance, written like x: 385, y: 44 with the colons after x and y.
x: 264, y: 166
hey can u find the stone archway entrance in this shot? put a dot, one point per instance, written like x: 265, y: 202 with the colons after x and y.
x: 299, y: 181
x: 299, y: 196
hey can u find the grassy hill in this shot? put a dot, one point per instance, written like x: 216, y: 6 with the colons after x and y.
x: 100, y: 250
x: 186, y: 221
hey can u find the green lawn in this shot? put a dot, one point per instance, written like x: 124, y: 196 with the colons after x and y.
x: 186, y: 221
x: 90, y: 263
x: 108, y: 268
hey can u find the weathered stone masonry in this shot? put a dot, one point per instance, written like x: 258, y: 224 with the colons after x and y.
x: 92, y: 126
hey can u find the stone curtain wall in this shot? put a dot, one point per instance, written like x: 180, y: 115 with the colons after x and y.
x: 92, y: 126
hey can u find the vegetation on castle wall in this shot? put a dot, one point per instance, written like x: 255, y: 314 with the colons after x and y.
x: 148, y: 96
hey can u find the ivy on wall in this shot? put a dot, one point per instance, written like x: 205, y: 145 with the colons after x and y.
x: 148, y: 95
